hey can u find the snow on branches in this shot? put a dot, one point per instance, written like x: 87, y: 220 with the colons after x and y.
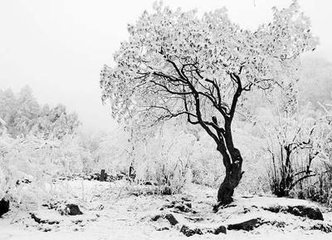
x: 179, y: 63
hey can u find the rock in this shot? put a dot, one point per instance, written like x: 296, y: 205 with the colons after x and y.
x: 306, y: 211
x: 322, y: 227
x: 246, y: 225
x: 169, y: 217
x: 179, y: 206
x: 188, y: 205
x: 23, y: 181
x: 183, y: 207
x: 194, y: 219
x: 4, y: 206
x: 172, y: 220
x: 39, y: 220
x: 162, y: 229
x: 155, y: 218
x: 190, y: 232
x: 185, y: 199
x: 72, y: 209
x: 278, y: 224
x: 166, y: 191
x: 221, y: 229
x: 299, y: 210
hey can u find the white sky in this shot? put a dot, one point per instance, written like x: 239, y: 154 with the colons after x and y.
x: 58, y: 47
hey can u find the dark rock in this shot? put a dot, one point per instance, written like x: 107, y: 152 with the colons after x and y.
x: 190, y: 232
x: 246, y: 210
x: 169, y: 217
x: 179, y: 207
x: 166, y: 191
x: 120, y: 176
x: 78, y: 221
x: 221, y: 229
x: 162, y: 229
x: 188, y: 205
x: 182, y: 208
x: 39, y: 220
x: 155, y: 218
x: 278, y: 224
x: 322, y: 227
x: 305, y: 211
x: 300, y: 210
x: 172, y: 220
x: 275, y: 209
x: 72, y: 209
x: 22, y: 181
x: 246, y: 225
x: 195, y: 219
x: 4, y: 206
x: 185, y: 199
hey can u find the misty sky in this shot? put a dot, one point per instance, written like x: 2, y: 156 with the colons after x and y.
x: 58, y: 47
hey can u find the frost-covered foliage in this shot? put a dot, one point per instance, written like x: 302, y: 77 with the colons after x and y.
x: 36, y: 162
x: 166, y: 158
x: 296, y: 142
x: 166, y: 46
x: 23, y: 115
x: 37, y: 145
x: 319, y: 188
x: 177, y: 63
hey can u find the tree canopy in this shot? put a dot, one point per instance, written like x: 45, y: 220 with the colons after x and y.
x: 179, y: 63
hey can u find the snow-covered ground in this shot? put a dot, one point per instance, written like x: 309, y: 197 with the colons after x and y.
x: 121, y: 210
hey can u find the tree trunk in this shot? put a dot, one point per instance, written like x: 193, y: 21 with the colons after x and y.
x: 232, y: 179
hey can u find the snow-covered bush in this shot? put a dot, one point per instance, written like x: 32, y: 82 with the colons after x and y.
x: 319, y: 187
x: 164, y: 159
x: 30, y: 164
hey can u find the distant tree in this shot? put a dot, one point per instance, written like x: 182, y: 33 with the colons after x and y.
x: 177, y: 64
x: 56, y: 122
x: 24, y: 115
x: 27, y: 112
x: 8, y: 107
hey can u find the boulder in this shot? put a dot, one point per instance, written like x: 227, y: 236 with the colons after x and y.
x: 327, y: 228
x: 306, y: 211
x: 246, y: 225
x: 190, y: 232
x: 4, y: 206
x: 181, y: 206
x: 72, y: 209
x: 172, y: 220
x: 310, y: 212
x: 166, y: 191
x: 220, y: 229
x: 39, y: 220
x: 169, y: 217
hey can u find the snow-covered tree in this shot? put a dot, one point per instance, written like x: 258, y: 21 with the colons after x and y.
x: 27, y: 112
x: 55, y: 122
x: 24, y: 115
x: 178, y: 63
x: 8, y: 106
